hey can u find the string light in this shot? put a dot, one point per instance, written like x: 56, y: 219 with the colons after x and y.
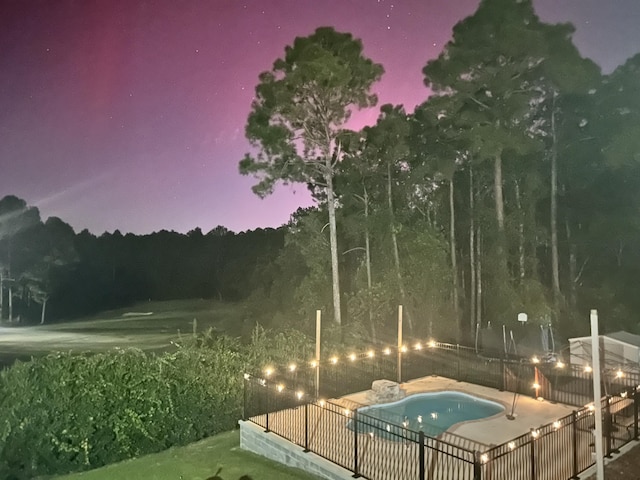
x: 535, y: 433
x: 484, y: 458
x: 315, y: 363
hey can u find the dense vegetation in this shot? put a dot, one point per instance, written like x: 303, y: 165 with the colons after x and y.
x: 63, y: 413
x: 51, y: 273
x: 512, y: 188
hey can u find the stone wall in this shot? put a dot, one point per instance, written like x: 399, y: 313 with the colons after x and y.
x: 254, y: 439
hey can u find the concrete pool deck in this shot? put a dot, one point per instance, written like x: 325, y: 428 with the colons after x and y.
x: 529, y: 412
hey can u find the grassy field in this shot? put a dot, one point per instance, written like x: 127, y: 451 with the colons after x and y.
x: 215, y: 458
x: 149, y: 326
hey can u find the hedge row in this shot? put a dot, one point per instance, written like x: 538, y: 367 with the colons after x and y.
x: 64, y: 412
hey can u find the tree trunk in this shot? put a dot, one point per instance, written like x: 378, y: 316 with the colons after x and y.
x: 367, y: 246
x: 44, y: 309
x: 454, y: 261
x: 394, y: 240
x: 333, y: 242
x: 479, y: 283
x: 10, y: 303
x: 1, y: 293
x: 555, y: 269
x: 521, y: 257
x: 472, y: 255
x: 573, y: 267
x: 497, y: 190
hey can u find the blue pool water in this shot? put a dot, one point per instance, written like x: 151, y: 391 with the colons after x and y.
x: 433, y: 413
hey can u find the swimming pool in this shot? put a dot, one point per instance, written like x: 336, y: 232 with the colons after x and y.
x: 433, y: 413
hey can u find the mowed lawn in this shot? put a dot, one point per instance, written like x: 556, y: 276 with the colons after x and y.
x: 215, y: 458
x: 149, y: 326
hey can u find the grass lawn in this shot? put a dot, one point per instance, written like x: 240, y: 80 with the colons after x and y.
x: 215, y: 458
x: 148, y: 325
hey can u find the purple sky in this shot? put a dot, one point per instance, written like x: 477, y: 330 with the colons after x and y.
x: 130, y: 114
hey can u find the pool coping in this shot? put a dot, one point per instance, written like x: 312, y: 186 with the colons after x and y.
x: 529, y: 412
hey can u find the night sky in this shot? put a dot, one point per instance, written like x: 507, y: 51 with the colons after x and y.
x: 130, y: 114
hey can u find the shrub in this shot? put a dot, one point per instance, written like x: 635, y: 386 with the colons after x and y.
x: 66, y: 412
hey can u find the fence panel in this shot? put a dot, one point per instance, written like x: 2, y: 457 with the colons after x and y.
x: 386, y: 449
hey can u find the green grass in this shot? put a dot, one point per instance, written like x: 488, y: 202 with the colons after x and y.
x: 220, y: 455
x: 149, y: 326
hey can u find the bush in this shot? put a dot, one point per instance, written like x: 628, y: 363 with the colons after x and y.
x: 66, y: 412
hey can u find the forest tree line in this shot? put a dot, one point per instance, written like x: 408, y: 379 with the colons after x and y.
x: 48, y: 272
x: 512, y: 188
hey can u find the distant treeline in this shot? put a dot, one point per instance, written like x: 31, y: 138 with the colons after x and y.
x: 49, y: 272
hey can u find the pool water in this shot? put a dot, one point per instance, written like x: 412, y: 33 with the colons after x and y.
x: 433, y: 413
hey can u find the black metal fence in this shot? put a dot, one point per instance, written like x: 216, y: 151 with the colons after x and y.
x: 367, y: 446
x: 565, y: 448
x: 285, y: 403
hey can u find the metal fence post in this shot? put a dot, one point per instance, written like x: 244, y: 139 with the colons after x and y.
x: 244, y: 398
x: 306, y: 427
x: 574, y: 444
x: 607, y: 427
x: 421, y: 468
x: 533, y: 456
x: 267, y: 404
x: 504, y: 375
x: 635, y: 413
x: 458, y: 361
x: 477, y: 466
x: 356, y: 473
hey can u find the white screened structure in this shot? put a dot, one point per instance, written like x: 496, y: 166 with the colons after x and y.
x: 617, y: 350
